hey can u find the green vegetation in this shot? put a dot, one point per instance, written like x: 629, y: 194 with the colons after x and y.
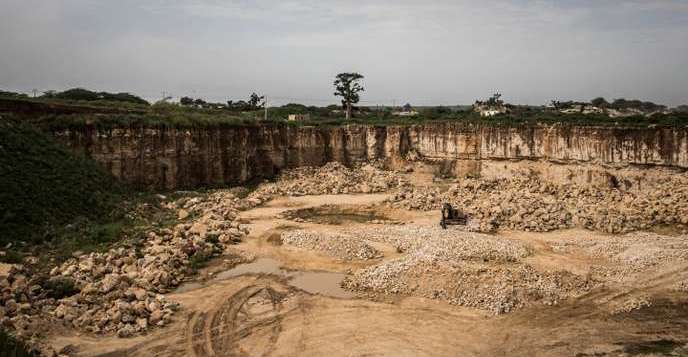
x: 170, y: 115
x: 6, y: 94
x: 44, y: 185
x: 10, y: 347
x: 76, y: 108
x: 60, y: 287
x: 254, y: 102
x: 348, y: 86
x: 54, y: 203
x: 80, y: 94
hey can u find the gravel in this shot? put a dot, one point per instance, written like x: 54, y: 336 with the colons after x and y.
x: 634, y: 253
x: 463, y: 268
x: 341, y: 246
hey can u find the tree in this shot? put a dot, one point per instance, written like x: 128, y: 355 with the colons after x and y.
x: 88, y: 95
x: 495, y: 100
x: 599, y: 102
x: 348, y: 86
x: 186, y: 101
x: 683, y: 108
x: 255, y: 101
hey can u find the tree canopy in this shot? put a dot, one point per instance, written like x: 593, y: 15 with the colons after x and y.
x: 348, y: 86
x: 88, y: 95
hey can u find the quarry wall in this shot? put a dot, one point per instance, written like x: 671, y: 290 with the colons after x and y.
x: 170, y: 158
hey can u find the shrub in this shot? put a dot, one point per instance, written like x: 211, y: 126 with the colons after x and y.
x: 60, y: 287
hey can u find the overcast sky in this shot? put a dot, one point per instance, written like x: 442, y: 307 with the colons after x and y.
x: 422, y: 52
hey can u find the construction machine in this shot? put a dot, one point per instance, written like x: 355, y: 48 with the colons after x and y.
x: 452, y: 216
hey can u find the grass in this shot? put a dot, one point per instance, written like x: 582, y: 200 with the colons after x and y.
x: 54, y: 203
x: 10, y: 347
x: 44, y: 185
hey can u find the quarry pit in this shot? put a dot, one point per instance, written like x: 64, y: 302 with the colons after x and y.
x: 349, y: 259
x: 389, y: 280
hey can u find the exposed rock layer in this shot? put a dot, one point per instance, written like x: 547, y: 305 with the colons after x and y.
x: 175, y: 158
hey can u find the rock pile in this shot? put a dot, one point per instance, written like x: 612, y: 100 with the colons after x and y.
x: 23, y: 299
x: 637, y: 253
x: 529, y: 204
x: 463, y: 268
x: 121, y: 290
x: 340, y: 246
x: 630, y: 304
x: 332, y: 178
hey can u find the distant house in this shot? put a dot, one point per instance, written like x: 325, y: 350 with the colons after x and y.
x: 577, y: 108
x: 299, y: 117
x: 491, y: 107
x: 410, y: 113
x: 406, y: 111
x: 488, y: 110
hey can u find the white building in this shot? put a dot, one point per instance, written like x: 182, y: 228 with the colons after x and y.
x: 406, y: 113
x: 299, y: 117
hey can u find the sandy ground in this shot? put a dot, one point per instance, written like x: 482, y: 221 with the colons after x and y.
x: 263, y: 315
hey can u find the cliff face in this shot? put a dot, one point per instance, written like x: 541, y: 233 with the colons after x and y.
x: 177, y: 158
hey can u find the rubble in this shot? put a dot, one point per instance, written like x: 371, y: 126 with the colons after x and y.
x: 331, y: 179
x: 636, y: 253
x: 341, y: 246
x: 631, y: 304
x: 463, y: 268
x: 121, y: 291
x: 530, y: 204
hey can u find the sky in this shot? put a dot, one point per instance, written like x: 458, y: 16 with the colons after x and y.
x: 431, y: 52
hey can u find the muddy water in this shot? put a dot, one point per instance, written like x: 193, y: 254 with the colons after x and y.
x: 314, y: 282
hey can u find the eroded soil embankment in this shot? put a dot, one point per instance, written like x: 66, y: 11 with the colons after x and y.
x: 172, y: 158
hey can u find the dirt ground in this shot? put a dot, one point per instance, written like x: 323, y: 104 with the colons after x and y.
x: 265, y: 314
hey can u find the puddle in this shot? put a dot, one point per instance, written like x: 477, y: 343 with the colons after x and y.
x: 258, y: 266
x: 314, y: 282
x: 335, y: 214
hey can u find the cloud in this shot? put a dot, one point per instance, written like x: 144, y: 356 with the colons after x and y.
x: 424, y: 52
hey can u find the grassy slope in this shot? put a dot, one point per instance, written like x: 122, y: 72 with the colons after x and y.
x: 44, y: 185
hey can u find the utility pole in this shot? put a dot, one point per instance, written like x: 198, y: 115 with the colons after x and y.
x: 266, y: 108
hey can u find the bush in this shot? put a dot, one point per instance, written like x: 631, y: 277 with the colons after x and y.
x: 60, y: 287
x: 199, y: 260
x: 10, y: 347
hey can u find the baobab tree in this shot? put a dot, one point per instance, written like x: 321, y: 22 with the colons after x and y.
x: 347, y: 86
